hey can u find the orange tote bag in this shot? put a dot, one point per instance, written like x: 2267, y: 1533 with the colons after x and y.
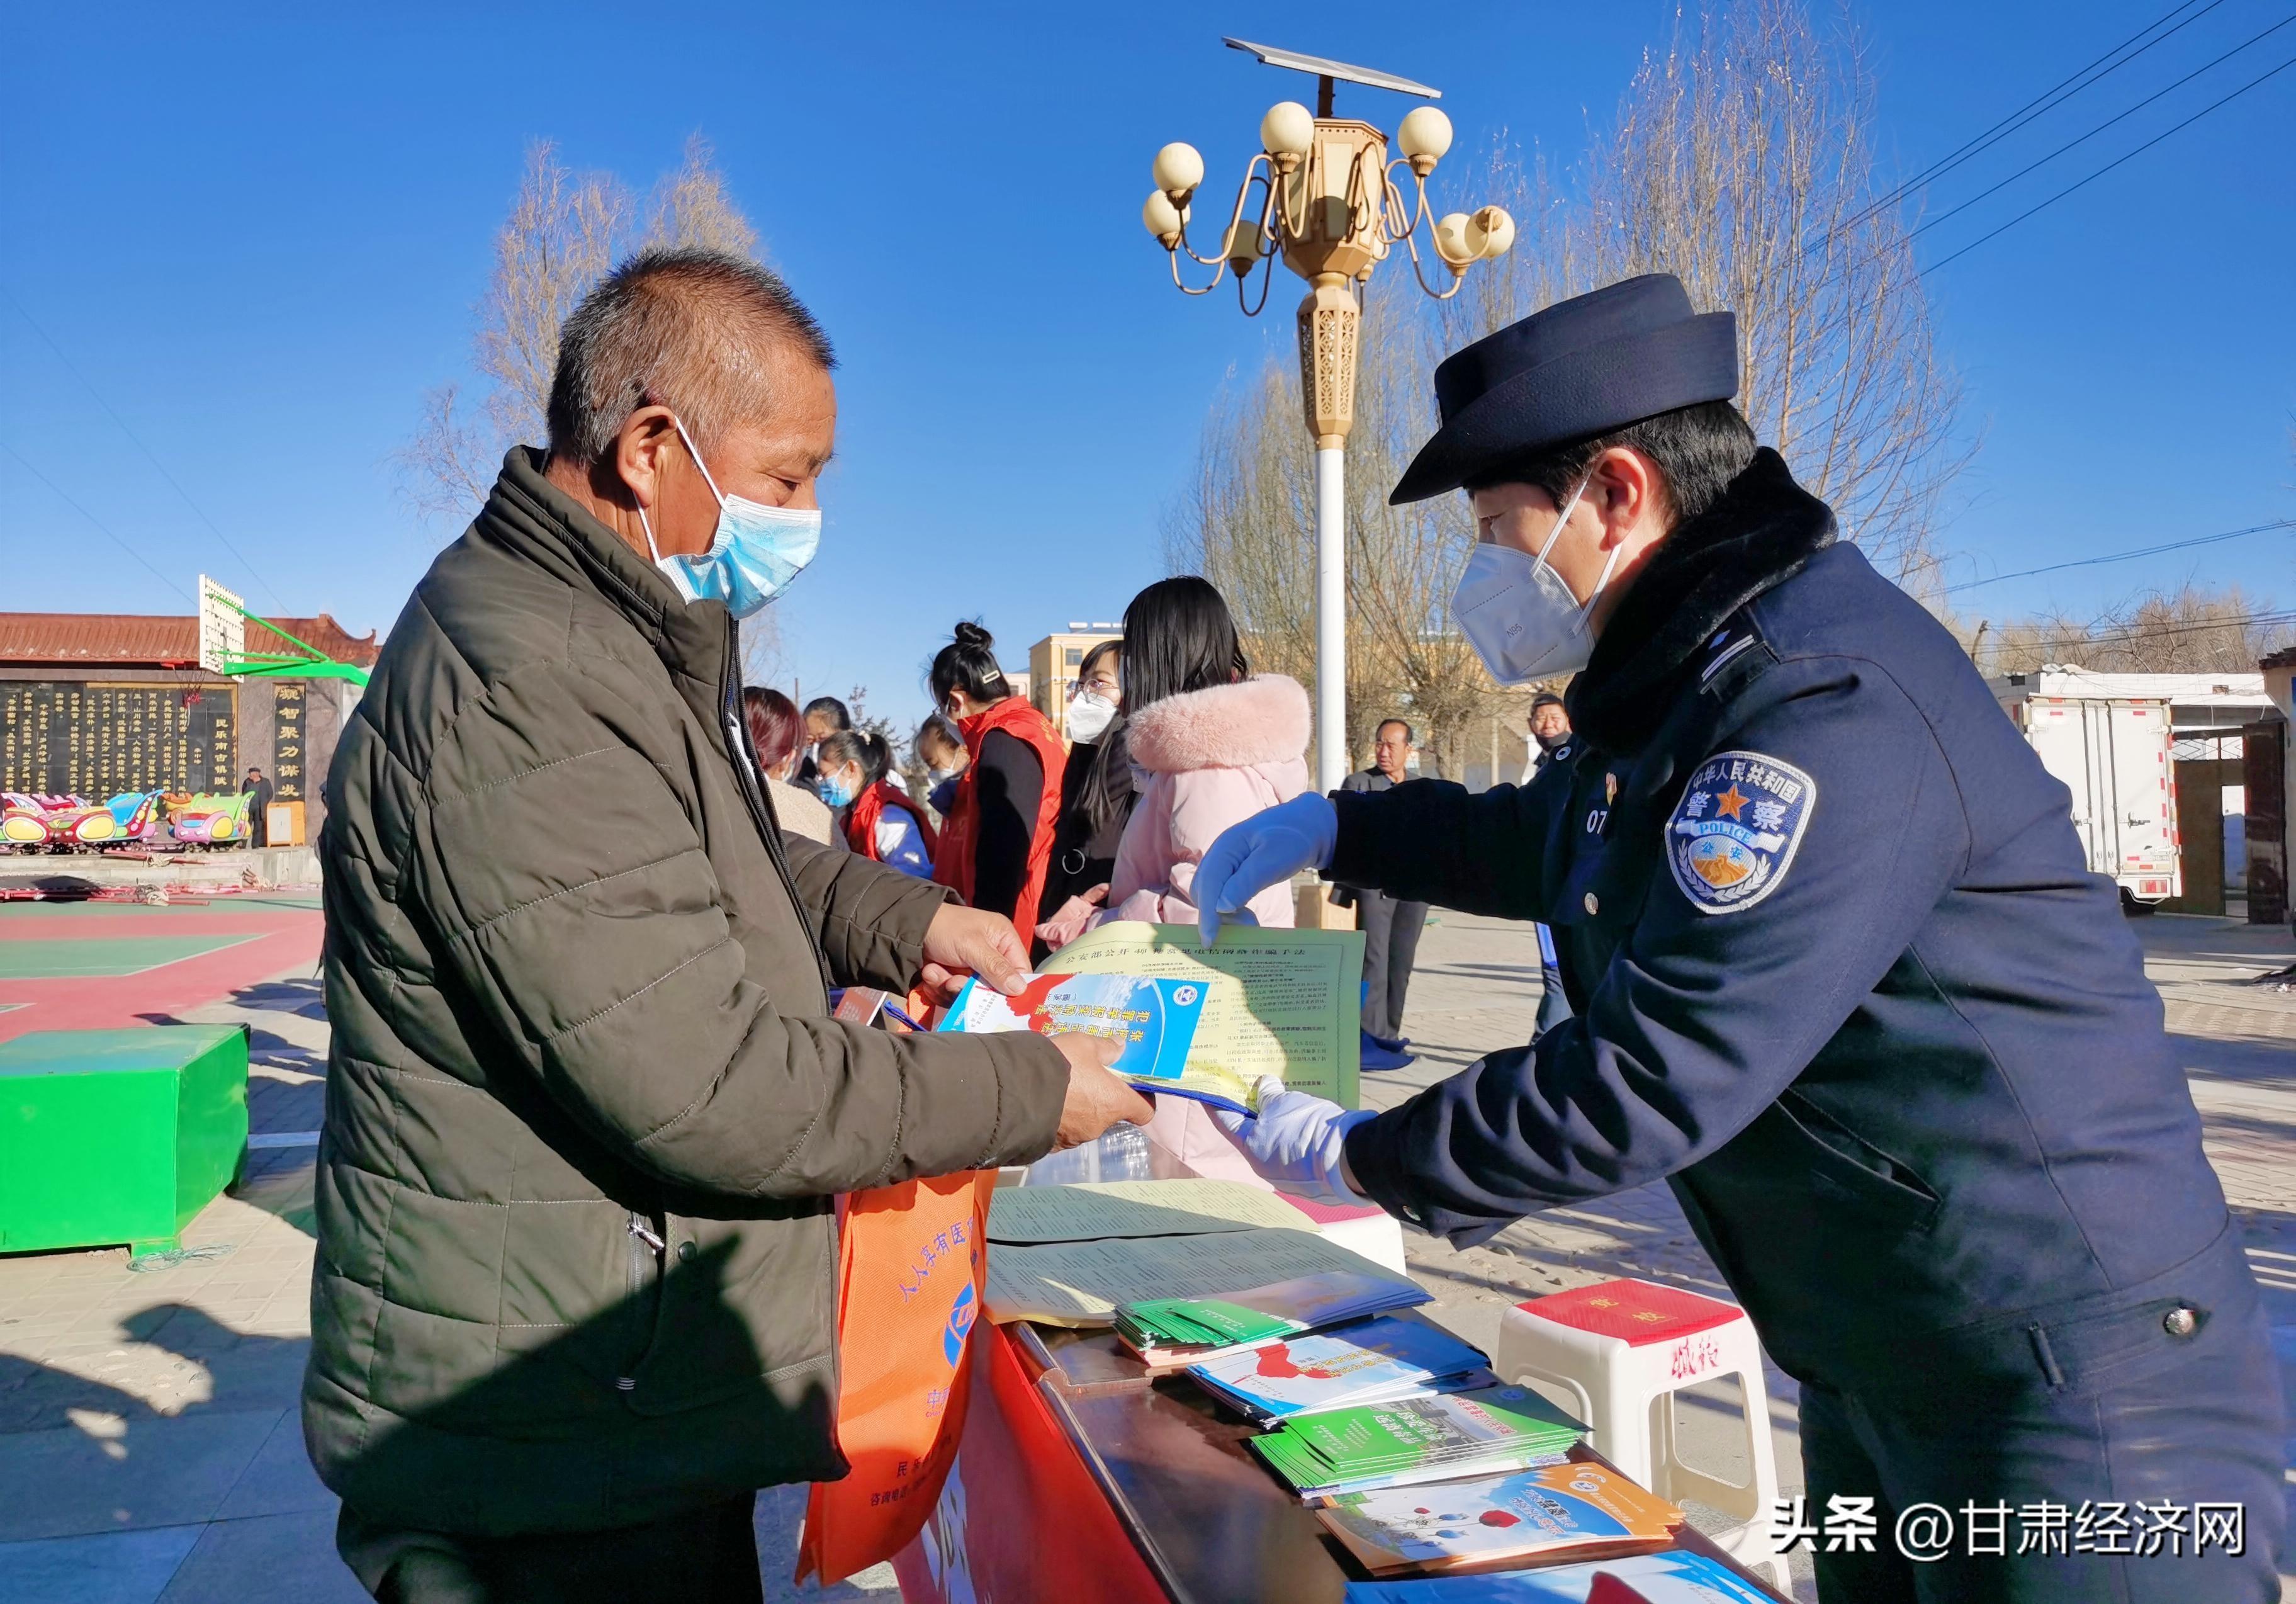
x: 912, y: 1263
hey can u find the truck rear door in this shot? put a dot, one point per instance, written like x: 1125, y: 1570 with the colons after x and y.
x: 2145, y: 798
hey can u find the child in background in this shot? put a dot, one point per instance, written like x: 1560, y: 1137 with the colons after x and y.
x: 879, y: 820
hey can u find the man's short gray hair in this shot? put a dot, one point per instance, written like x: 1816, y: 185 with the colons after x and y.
x: 695, y: 331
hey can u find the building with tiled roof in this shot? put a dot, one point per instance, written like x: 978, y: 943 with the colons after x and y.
x: 102, y: 702
x: 29, y: 640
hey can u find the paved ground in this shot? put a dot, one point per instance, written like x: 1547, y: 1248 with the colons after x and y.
x: 149, y: 1446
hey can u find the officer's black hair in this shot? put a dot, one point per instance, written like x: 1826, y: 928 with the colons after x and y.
x: 968, y: 663
x: 839, y: 715
x: 1410, y: 736
x: 1698, y: 450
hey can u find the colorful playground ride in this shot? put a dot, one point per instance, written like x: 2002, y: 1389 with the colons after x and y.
x: 209, y: 820
x: 47, y: 823
x: 24, y: 818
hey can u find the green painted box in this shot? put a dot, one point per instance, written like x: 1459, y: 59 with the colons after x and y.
x: 118, y: 1136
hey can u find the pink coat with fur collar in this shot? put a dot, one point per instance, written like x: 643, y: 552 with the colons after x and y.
x: 1214, y: 757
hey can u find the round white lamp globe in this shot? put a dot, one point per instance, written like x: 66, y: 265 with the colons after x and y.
x: 1424, y: 132
x: 1178, y: 170
x: 1288, y: 129
x: 1451, y: 240
x: 1160, y: 217
x: 1491, y: 231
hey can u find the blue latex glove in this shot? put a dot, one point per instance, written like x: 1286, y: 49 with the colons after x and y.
x: 1266, y: 850
x: 1298, y: 1141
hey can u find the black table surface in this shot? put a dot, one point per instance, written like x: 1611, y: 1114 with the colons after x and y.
x: 1213, y: 1523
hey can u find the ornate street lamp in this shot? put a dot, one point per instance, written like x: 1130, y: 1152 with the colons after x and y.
x: 1328, y: 202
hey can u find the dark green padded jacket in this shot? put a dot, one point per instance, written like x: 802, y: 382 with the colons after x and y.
x: 586, y: 1110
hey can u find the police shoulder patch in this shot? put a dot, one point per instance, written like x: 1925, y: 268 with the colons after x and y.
x: 1733, y: 835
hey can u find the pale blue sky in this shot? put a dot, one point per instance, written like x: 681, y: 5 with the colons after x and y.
x: 262, y: 238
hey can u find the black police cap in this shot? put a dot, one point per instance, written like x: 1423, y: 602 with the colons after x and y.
x: 1581, y: 368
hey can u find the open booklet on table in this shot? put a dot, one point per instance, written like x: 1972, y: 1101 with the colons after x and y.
x: 1285, y: 1003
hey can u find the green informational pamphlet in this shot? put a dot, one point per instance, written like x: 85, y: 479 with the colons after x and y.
x: 1286, y: 1003
x: 1419, y: 1439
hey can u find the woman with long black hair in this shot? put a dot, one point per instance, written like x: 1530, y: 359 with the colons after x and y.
x: 996, y: 842
x: 1209, y: 744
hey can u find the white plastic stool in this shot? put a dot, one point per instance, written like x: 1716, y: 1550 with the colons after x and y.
x: 1622, y: 1349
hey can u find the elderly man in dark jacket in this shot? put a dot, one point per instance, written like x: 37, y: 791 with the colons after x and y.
x: 586, y: 1109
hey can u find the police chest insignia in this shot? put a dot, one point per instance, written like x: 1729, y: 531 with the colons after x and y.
x: 1734, y: 834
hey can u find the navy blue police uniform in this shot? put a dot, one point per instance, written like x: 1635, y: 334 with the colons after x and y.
x: 1843, y: 977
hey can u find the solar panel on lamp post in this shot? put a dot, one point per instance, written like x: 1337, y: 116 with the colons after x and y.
x: 1331, y: 208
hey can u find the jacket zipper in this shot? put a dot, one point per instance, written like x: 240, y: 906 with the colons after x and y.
x: 646, y: 1249
x: 745, y: 753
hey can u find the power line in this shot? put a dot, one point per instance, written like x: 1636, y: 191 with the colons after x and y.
x: 2122, y: 557
x: 149, y: 456
x: 2101, y: 128
x: 172, y: 584
x: 2108, y: 167
x: 2121, y: 637
x: 2048, y: 100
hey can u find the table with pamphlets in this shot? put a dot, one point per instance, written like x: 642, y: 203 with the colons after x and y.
x: 1084, y: 1477
x: 1193, y: 1389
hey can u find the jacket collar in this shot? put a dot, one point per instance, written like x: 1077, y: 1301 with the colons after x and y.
x: 533, y: 519
x: 1262, y: 719
x: 1762, y: 531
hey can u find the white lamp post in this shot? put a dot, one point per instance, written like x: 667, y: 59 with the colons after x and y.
x: 1331, y: 208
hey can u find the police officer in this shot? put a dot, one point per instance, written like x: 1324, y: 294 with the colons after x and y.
x: 1840, y: 975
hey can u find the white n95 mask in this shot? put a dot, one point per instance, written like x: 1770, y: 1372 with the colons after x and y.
x: 1519, y: 616
x: 1090, y: 714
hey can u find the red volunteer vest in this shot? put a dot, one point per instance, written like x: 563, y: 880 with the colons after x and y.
x: 861, y: 820
x: 959, y: 832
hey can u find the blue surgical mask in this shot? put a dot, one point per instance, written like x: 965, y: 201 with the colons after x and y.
x: 838, y: 790
x: 754, y: 554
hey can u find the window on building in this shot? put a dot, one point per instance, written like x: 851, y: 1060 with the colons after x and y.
x: 1075, y: 657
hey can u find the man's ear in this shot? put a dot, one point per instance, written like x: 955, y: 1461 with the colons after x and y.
x: 1623, y: 489
x: 641, y: 456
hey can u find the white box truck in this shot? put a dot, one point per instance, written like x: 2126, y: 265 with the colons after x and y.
x: 2110, y: 746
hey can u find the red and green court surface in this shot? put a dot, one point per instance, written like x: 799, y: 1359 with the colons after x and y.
x: 101, y: 965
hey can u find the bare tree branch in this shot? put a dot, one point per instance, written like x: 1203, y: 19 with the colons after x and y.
x: 565, y: 231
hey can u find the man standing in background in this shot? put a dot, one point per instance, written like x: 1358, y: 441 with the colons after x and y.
x: 258, y: 809
x: 1390, y: 928
x: 1550, y: 734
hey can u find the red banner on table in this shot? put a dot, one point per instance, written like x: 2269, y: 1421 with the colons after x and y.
x: 1020, y: 1520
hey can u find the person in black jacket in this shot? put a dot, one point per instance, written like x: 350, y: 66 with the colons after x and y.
x: 997, y: 841
x: 1096, y: 799
x: 1550, y: 734
x: 1842, y: 977
x: 258, y: 811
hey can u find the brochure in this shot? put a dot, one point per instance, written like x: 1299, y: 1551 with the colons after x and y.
x: 1081, y: 1283
x: 1676, y: 1576
x: 1259, y: 1314
x: 1413, y: 1440
x: 1377, y: 1362
x: 1277, y: 1002
x: 1154, y: 1019
x: 1445, y: 1526
x: 1092, y: 1210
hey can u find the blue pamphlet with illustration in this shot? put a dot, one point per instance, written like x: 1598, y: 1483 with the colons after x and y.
x: 1155, y: 1020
